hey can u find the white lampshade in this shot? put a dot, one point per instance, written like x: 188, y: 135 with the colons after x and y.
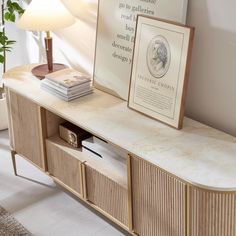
x: 77, y: 7
x: 45, y: 15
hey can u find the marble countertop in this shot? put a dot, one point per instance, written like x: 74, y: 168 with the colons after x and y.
x: 197, y: 154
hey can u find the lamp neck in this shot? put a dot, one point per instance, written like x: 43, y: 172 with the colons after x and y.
x: 48, y: 45
x: 48, y: 35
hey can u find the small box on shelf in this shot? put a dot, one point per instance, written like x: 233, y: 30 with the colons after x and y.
x: 73, y: 134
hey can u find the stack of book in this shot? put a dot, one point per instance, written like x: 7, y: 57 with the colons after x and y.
x: 67, y: 84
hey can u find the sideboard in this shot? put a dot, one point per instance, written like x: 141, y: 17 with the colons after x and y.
x: 172, y: 183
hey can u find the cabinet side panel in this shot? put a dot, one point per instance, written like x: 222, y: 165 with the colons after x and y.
x: 212, y: 213
x: 10, y: 118
x: 26, y: 128
x: 107, y: 195
x: 53, y: 121
x: 159, y: 201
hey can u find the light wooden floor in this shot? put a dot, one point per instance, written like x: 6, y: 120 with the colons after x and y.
x: 41, y: 206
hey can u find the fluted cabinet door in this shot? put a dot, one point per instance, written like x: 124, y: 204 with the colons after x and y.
x: 159, y: 201
x: 212, y: 213
x: 26, y: 124
x: 64, y: 166
x: 107, y: 194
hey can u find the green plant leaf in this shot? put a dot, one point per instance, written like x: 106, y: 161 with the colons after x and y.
x: 12, y: 17
x: 2, y: 59
x: 7, y: 16
x: 12, y: 8
x: 2, y: 41
x: 5, y: 47
x: 9, y: 42
x: 15, y: 5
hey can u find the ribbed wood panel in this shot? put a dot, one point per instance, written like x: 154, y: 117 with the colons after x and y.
x: 212, y: 213
x: 107, y: 195
x: 26, y: 129
x: 159, y: 201
x: 64, y: 167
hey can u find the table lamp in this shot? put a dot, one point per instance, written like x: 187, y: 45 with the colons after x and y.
x: 46, y: 15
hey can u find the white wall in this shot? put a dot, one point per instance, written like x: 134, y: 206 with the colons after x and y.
x: 212, y: 90
x: 17, y: 56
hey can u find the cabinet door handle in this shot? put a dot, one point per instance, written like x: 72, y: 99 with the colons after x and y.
x: 130, y: 193
x: 84, y: 182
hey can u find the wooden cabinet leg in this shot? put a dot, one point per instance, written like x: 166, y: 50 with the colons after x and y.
x: 13, y: 157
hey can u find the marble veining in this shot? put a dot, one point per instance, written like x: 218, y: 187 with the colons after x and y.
x: 198, y: 154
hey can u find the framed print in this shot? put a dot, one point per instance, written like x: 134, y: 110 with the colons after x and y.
x: 160, y: 69
x: 115, y: 38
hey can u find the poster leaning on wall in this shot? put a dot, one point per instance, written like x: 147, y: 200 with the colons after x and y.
x: 115, y: 38
x: 160, y: 69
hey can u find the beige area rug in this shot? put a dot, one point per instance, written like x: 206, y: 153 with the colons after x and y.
x: 9, y: 226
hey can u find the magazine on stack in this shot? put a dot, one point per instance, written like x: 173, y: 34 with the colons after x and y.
x: 67, y: 84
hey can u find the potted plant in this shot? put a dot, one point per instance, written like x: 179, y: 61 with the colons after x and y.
x: 9, y: 9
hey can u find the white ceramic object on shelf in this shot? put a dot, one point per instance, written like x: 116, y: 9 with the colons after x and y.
x: 3, y: 114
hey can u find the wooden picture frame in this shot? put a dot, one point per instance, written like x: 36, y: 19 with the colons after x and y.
x: 160, y: 69
x: 116, y: 23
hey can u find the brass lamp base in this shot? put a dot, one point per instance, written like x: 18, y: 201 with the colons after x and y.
x: 42, y: 70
